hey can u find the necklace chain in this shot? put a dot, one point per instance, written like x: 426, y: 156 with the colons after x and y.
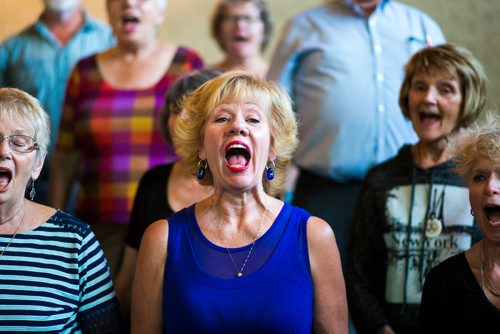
x: 487, y: 283
x: 15, y: 233
x: 239, y: 272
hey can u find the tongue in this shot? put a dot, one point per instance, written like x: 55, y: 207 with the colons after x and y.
x: 430, y: 120
x: 494, y: 215
x: 237, y: 160
x: 4, y: 180
x: 129, y: 26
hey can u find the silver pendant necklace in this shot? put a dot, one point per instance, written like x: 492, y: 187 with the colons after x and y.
x: 239, y: 272
x: 434, y: 225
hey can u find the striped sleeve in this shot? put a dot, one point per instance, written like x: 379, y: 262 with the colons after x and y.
x: 98, y: 310
x: 54, y: 279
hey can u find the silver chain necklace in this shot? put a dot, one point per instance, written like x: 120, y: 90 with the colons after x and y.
x: 239, y: 272
x: 12, y: 238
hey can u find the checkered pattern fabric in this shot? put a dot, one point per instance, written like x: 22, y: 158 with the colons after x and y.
x: 118, y: 133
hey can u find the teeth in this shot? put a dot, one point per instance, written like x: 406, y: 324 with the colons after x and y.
x: 237, y: 146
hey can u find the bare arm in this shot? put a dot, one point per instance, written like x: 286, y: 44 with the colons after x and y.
x: 330, y: 302
x: 64, y: 168
x: 125, y: 278
x: 147, y: 289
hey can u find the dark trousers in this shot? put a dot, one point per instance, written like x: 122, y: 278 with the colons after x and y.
x: 332, y: 201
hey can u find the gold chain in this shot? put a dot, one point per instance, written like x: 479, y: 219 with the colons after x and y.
x: 239, y: 272
x: 487, y: 283
x: 15, y: 233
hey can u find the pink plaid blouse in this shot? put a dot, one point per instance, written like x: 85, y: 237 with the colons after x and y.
x: 118, y: 133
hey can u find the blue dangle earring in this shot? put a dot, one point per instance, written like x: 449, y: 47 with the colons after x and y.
x: 202, y: 168
x: 270, y: 170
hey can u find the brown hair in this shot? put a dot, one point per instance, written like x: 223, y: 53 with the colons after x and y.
x: 455, y: 61
x: 219, y: 13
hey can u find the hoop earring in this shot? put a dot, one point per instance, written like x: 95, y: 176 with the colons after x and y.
x: 270, y: 170
x: 472, y: 212
x: 202, y: 168
x: 32, y: 191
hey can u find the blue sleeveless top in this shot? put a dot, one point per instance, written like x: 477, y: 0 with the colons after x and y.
x: 276, y: 298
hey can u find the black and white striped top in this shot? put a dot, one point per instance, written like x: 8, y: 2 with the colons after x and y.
x: 55, y: 278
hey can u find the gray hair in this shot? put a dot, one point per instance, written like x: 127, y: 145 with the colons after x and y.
x: 481, y: 140
x: 18, y: 105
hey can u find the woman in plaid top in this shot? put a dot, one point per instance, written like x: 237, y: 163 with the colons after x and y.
x: 110, y: 132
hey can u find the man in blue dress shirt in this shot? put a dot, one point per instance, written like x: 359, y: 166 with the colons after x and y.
x: 39, y: 59
x: 343, y: 64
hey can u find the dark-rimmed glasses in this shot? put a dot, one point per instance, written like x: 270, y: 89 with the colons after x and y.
x: 234, y: 19
x: 21, y: 143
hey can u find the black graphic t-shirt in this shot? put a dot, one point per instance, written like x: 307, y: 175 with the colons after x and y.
x: 407, y: 221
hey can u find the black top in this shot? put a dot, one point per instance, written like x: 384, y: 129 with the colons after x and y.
x: 389, y: 252
x: 150, y: 203
x: 454, y: 302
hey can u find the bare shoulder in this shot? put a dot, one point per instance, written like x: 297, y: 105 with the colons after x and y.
x: 156, y: 235
x: 39, y: 215
x: 153, y: 251
x: 323, y: 251
x: 330, y: 310
x: 318, y: 230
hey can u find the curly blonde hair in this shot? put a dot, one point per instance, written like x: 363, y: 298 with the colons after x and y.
x: 237, y: 86
x: 479, y: 141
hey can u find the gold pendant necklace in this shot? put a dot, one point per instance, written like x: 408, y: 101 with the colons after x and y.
x: 15, y: 233
x: 239, y: 272
x: 487, y: 283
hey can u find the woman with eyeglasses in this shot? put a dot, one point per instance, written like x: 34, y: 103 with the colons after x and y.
x: 53, y: 274
x: 110, y: 130
x: 242, y: 29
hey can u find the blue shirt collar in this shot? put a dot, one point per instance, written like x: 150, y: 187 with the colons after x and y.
x: 358, y: 10
x: 42, y: 29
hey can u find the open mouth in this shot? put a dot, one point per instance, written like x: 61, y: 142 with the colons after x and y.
x: 241, y: 39
x: 429, y: 117
x: 237, y: 156
x: 5, y: 178
x: 130, y: 21
x: 492, y: 212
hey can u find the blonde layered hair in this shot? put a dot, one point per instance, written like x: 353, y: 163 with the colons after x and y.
x: 238, y: 86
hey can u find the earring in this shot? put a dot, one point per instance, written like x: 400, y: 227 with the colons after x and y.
x: 202, y: 167
x: 270, y: 170
x: 472, y: 212
x: 32, y: 191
